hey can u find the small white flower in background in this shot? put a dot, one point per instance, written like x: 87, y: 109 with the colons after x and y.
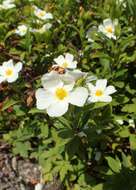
x: 7, y: 4
x: 42, y: 14
x: 120, y: 121
x: 121, y: 2
x: 43, y: 29
x: 39, y: 186
x: 99, y: 131
x: 76, y: 74
x: 131, y: 123
x: 108, y: 28
x: 21, y: 30
x: 57, y: 94
x: 66, y: 62
x: 9, y: 71
x: 100, y: 92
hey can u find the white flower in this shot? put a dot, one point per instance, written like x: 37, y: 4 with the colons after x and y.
x: 9, y: 71
x: 42, y: 14
x: 131, y: 123
x: 101, y: 92
x: 54, y: 76
x: 121, y: 2
x: 7, y: 4
x: 99, y: 131
x: 66, y: 62
x: 43, y: 29
x: 39, y: 186
x: 120, y: 121
x: 21, y: 30
x: 108, y: 28
x: 76, y: 74
x: 57, y: 94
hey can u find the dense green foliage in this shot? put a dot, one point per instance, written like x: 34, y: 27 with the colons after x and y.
x: 87, y: 148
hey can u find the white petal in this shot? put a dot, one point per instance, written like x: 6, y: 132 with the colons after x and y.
x: 68, y: 81
x: 110, y: 90
x: 47, y: 26
x: 78, y: 96
x: 101, y: 84
x: 91, y: 87
x: 12, y: 78
x: 51, y: 81
x: 2, y: 79
x: 57, y: 109
x: 60, y: 60
x: 101, y: 28
x: 76, y: 74
x: 48, y: 16
x: 107, y: 22
x: 110, y: 35
x: 1, y: 70
x: 43, y: 99
x: 72, y: 65
x: 8, y: 64
x: 105, y: 98
x: 18, y: 66
x: 39, y: 186
x: 92, y: 99
x: 69, y: 57
x: 114, y: 37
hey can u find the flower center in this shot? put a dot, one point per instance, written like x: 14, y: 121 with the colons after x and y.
x: 109, y: 29
x: 98, y: 93
x: 23, y: 30
x: 41, y: 13
x: 61, y: 93
x: 9, y: 72
x: 65, y: 65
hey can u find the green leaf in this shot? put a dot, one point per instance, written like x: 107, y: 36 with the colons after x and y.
x: 22, y: 148
x: 130, y: 108
x: 115, y: 165
x: 98, y: 187
x: 132, y: 140
x: 124, y: 132
x: 44, y: 130
x: 35, y: 110
x: 125, y: 161
x: 8, y: 103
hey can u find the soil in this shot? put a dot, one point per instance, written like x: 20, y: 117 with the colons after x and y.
x: 20, y: 174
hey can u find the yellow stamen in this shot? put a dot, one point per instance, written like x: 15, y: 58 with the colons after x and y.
x: 65, y: 65
x: 98, y: 93
x: 41, y: 13
x: 61, y: 93
x: 9, y: 72
x: 109, y: 29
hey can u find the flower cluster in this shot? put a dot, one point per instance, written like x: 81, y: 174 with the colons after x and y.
x: 40, y: 17
x: 7, y: 4
x: 108, y: 28
x: 59, y: 89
